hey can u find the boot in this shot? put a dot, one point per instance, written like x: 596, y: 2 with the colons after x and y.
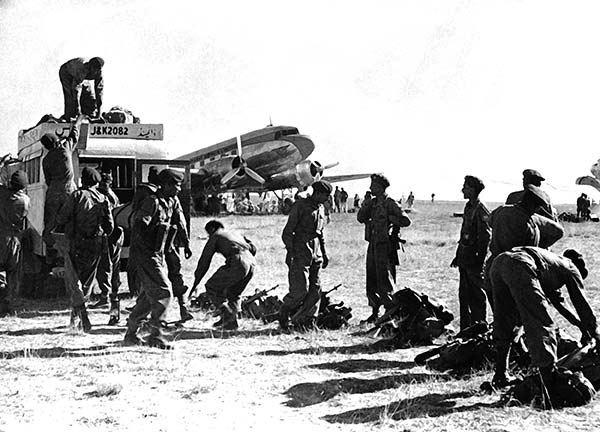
x: 85, y: 321
x: 115, y: 312
x: 501, y: 377
x: 75, y: 321
x: 229, y: 318
x: 156, y: 338
x: 373, y: 317
x: 131, y: 337
x: 284, y: 318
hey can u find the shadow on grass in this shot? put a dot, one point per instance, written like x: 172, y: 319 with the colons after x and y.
x: 363, y: 365
x: 187, y: 334
x: 430, y: 405
x: 364, y: 348
x: 56, y: 352
x: 35, y: 331
x: 305, y: 394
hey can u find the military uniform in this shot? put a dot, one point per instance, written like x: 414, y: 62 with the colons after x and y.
x: 108, y: 276
x: 525, y: 280
x: 151, y: 222
x: 383, y: 218
x: 58, y: 173
x: 513, y: 225
x: 14, y: 206
x: 547, y: 210
x: 470, y: 255
x: 303, y: 239
x: 226, y: 285
x: 80, y: 97
x: 88, y: 220
x: 178, y: 238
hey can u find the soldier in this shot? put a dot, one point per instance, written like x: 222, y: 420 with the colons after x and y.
x: 14, y: 206
x: 226, y: 285
x: 472, y: 247
x: 525, y: 280
x: 520, y: 225
x: 108, y: 274
x: 58, y: 174
x: 383, y: 219
x: 75, y: 76
x: 151, y: 222
x: 305, y: 256
x: 87, y: 217
x: 178, y: 238
x: 534, y: 178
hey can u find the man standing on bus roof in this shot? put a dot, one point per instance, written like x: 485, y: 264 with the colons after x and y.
x: 14, y: 205
x: 88, y: 220
x: 57, y: 166
x: 80, y: 97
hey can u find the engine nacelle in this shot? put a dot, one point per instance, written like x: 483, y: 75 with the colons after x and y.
x: 301, y: 176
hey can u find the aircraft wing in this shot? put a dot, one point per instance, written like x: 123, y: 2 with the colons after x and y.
x: 588, y: 181
x: 346, y: 177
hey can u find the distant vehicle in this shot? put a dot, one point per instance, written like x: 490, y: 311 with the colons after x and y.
x: 126, y: 150
x: 268, y: 159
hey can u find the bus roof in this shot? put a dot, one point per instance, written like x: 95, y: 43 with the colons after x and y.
x: 117, y: 140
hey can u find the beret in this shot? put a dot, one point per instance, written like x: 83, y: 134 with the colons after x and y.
x: 48, y: 140
x: 530, y: 173
x: 90, y: 176
x: 381, y: 179
x: 322, y: 186
x: 474, y: 182
x: 577, y: 259
x: 170, y: 175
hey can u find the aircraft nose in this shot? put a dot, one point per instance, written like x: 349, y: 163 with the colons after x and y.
x: 303, y: 143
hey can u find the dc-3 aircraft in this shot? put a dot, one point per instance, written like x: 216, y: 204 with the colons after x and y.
x: 268, y: 159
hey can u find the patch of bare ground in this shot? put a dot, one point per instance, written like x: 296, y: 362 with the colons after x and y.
x: 258, y: 378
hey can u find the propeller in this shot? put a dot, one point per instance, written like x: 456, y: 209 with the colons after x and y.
x: 316, y: 169
x: 239, y: 167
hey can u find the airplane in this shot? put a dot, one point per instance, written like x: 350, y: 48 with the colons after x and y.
x: 268, y: 159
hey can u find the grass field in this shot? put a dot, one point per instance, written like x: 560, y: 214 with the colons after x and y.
x: 257, y: 378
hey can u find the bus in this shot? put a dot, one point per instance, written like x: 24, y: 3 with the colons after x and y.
x: 127, y: 150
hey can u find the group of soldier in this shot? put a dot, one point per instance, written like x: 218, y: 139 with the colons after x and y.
x: 519, y: 276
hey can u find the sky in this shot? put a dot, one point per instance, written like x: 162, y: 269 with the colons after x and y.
x: 422, y: 91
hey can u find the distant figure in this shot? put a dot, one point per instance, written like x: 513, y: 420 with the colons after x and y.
x: 533, y: 177
x: 14, y: 206
x: 583, y: 207
x: 343, y: 201
x: 80, y: 97
x: 410, y: 200
x: 356, y: 203
x: 305, y: 256
x: 328, y: 205
x: 227, y: 284
x: 337, y: 201
x: 383, y: 219
x: 470, y: 255
x: 432, y: 197
x: 526, y: 280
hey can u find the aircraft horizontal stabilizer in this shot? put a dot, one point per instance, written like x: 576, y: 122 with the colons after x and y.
x: 588, y: 181
x: 346, y: 177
